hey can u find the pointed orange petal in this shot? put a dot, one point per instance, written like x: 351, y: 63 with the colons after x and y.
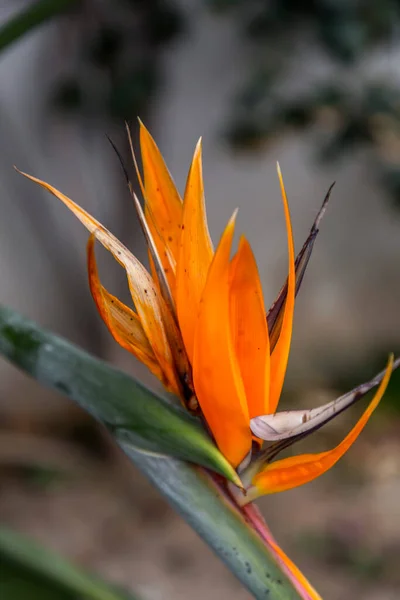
x: 280, y: 355
x: 291, y: 472
x: 157, y: 267
x: 122, y: 322
x: 146, y: 298
x: 168, y: 263
x: 217, y: 380
x: 163, y: 205
x: 195, y: 253
x: 249, y: 328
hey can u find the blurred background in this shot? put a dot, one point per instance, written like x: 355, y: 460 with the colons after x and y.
x: 313, y: 84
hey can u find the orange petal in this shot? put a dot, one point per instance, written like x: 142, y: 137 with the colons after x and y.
x: 165, y: 258
x: 163, y: 204
x: 147, y: 300
x: 195, y: 253
x: 291, y: 472
x: 280, y: 354
x: 168, y: 307
x: 156, y: 264
x: 249, y: 328
x: 122, y: 322
x: 217, y: 380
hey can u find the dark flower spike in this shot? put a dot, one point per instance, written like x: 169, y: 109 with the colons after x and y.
x: 300, y: 423
x: 275, y: 313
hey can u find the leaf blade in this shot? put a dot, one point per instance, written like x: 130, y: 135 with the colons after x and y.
x: 195, y: 497
x: 109, y: 395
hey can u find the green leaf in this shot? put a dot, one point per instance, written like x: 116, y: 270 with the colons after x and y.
x: 134, y: 414
x: 30, y: 17
x: 31, y: 572
x: 219, y: 523
x: 115, y: 399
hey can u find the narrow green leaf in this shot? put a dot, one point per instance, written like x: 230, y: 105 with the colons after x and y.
x: 20, y: 583
x: 213, y: 516
x: 30, y: 571
x: 130, y: 410
x: 30, y: 17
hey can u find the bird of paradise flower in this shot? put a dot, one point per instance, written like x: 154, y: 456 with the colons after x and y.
x: 199, y: 324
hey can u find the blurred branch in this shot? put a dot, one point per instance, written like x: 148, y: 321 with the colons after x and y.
x: 34, y: 15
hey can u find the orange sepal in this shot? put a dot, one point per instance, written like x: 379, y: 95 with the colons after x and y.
x: 249, y: 328
x: 195, y: 253
x: 280, y: 354
x: 291, y: 472
x: 122, y: 322
x: 216, y: 374
x: 146, y: 298
x: 163, y: 204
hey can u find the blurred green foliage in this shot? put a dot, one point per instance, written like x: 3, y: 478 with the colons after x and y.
x: 112, y: 63
x: 30, y: 17
x: 30, y: 572
x: 326, y: 47
x: 344, y: 380
x: 115, y: 68
x: 347, y: 551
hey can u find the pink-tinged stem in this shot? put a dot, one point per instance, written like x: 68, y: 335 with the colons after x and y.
x: 254, y: 517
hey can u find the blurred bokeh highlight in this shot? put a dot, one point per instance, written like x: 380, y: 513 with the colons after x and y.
x: 315, y: 85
